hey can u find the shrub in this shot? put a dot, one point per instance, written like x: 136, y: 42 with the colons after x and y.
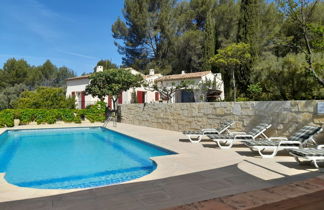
x: 7, y: 117
x: 95, y: 113
x: 69, y: 115
x: 44, y: 98
x: 46, y: 116
x: 26, y: 115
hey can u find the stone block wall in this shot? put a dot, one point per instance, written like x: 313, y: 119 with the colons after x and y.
x: 285, y: 116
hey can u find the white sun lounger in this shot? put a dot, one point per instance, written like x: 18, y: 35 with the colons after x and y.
x: 227, y: 141
x: 315, y: 155
x: 196, y: 136
x: 276, y: 144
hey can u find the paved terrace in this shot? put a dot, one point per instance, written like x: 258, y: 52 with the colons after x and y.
x: 198, y: 172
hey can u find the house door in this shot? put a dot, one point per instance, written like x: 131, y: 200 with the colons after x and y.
x: 187, y: 96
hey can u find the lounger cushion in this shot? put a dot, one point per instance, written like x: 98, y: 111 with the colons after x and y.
x: 226, y: 137
x: 199, y: 132
x: 255, y: 131
x: 308, y: 152
x: 267, y: 143
x: 304, y: 133
x: 263, y: 142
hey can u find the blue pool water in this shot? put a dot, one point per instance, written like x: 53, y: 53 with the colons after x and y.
x: 74, y: 157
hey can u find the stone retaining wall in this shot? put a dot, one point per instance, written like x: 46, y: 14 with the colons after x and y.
x: 285, y: 116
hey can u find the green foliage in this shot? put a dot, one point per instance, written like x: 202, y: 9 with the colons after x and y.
x: 307, y: 39
x: 112, y: 83
x: 317, y: 40
x: 286, y: 79
x: 18, y: 76
x: 210, y: 41
x: 231, y: 59
x: 107, y: 64
x: 44, y: 98
x: 9, y: 95
x: 189, y: 52
x: 7, y: 118
x: 232, y: 56
x: 94, y: 113
x: 171, y: 36
x: 255, y: 90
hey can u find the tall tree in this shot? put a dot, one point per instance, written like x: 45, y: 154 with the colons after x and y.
x: 230, y: 59
x: 226, y: 19
x: 301, y: 13
x: 248, y: 32
x: 107, y: 64
x: 145, y: 34
x: 249, y: 24
x: 210, y: 41
x: 15, y: 71
x: 200, y: 10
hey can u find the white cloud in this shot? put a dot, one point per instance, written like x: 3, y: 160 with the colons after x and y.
x: 35, y: 17
x: 77, y: 54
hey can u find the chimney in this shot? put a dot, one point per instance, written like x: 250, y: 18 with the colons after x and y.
x: 99, y: 68
x: 183, y: 72
x: 152, y: 72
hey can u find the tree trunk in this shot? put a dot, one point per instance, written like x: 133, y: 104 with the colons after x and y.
x: 114, y: 104
x: 234, y: 85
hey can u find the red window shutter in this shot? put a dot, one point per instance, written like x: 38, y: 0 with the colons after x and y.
x: 82, y: 100
x: 109, y: 102
x: 140, y: 97
x: 157, y: 96
x: 120, y: 98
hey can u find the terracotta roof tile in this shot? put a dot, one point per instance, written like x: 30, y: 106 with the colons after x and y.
x: 80, y: 77
x: 183, y: 76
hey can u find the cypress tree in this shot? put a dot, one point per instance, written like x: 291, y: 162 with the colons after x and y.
x: 248, y: 32
x: 249, y: 23
x: 210, y: 41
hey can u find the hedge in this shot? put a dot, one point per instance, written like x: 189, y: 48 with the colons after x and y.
x: 94, y: 113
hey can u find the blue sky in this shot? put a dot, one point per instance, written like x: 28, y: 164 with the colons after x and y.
x: 72, y: 33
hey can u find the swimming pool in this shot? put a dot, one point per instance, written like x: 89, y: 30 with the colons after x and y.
x: 72, y: 158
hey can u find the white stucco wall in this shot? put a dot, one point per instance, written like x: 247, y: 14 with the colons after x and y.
x: 79, y: 85
x: 196, y: 81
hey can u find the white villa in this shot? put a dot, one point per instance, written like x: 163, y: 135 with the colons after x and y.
x: 76, y: 87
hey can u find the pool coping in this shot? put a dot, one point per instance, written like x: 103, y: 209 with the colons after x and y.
x: 190, y: 158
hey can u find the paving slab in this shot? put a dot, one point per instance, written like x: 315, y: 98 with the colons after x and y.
x: 197, y: 172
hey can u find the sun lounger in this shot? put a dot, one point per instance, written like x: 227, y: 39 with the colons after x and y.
x: 227, y: 141
x: 196, y: 136
x: 315, y: 155
x: 275, y: 144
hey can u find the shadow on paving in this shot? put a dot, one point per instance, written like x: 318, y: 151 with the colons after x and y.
x: 156, y: 194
